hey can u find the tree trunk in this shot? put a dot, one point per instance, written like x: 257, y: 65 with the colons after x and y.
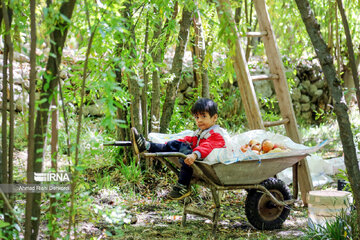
x: 132, y: 78
x: 157, y: 50
x: 349, y: 82
x: 340, y: 109
x: 54, y: 155
x: 50, y: 82
x: 8, y: 62
x: 31, y: 125
x: 200, y: 52
x: 155, y: 96
x: 122, y: 133
x: 350, y: 51
x: 146, y: 79
x: 176, y: 70
x: 249, y: 39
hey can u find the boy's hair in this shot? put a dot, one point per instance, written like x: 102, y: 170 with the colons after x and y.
x: 204, y: 105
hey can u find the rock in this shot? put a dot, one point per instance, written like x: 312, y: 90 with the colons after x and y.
x: 21, y: 57
x: 63, y: 74
x: 133, y: 220
x: 189, y: 79
x: 320, y: 83
x: 94, y: 109
x: 22, y: 101
x: 18, y: 90
x: 305, y: 107
x: 307, y: 115
x: 180, y: 96
x: 183, y: 85
x: 296, y: 94
x: 316, y: 95
x: 306, y: 84
x: 264, y: 88
x: 189, y: 92
x: 312, y: 89
x: 302, y: 89
x: 304, y: 99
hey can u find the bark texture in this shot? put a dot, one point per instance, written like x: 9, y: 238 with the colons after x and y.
x: 349, y: 44
x: 340, y: 108
x: 133, y: 80
x: 176, y: 70
x: 58, y: 37
x: 157, y: 50
x: 200, y: 52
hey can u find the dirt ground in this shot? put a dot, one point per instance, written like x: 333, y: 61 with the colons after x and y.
x: 147, y: 218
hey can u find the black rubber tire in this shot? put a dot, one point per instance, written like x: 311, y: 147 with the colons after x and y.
x: 262, y: 213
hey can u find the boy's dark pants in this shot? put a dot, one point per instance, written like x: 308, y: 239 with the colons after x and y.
x: 176, y: 146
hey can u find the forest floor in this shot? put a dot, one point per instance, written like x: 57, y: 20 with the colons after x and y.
x: 145, y: 215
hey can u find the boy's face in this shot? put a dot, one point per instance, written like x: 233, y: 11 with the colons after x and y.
x: 204, y: 121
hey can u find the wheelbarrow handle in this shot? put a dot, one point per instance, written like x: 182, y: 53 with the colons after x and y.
x: 165, y: 154
x: 118, y: 143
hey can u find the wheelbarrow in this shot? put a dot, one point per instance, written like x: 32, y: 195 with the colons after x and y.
x: 268, y: 199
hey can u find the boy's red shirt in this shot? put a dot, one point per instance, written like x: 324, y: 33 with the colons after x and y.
x: 205, y: 141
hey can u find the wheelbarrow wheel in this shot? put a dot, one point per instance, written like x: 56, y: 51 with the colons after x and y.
x: 261, y: 212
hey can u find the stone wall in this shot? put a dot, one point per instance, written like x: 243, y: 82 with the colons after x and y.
x: 308, y: 89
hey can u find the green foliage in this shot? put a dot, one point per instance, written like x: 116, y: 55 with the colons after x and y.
x: 132, y: 173
x: 343, y: 227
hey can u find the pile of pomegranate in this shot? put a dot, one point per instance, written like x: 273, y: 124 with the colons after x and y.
x: 266, y: 146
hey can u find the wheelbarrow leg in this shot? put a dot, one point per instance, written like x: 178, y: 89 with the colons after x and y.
x: 186, y: 203
x: 216, y: 199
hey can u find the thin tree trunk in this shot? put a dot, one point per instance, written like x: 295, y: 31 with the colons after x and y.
x: 338, y: 48
x: 176, y: 70
x: 7, y: 60
x: 238, y: 15
x: 340, y: 108
x: 200, y: 52
x: 195, y: 55
x: 10, y: 48
x: 249, y: 39
x: 58, y: 37
x: 54, y: 155
x: 31, y: 126
x: 349, y: 82
x: 157, y: 50
x: 133, y: 84
x: 350, y: 51
x: 146, y: 79
x: 122, y: 133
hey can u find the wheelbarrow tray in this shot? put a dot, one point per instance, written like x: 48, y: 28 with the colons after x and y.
x: 244, y: 172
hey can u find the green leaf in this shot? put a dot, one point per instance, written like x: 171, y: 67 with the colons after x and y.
x: 3, y: 224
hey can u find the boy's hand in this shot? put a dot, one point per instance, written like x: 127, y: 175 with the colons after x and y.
x: 190, y: 159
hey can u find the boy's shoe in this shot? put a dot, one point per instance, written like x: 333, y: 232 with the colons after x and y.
x: 179, y: 192
x: 138, y: 141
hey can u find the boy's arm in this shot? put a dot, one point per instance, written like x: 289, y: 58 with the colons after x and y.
x: 215, y: 140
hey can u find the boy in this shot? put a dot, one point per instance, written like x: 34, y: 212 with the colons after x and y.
x: 205, y: 139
